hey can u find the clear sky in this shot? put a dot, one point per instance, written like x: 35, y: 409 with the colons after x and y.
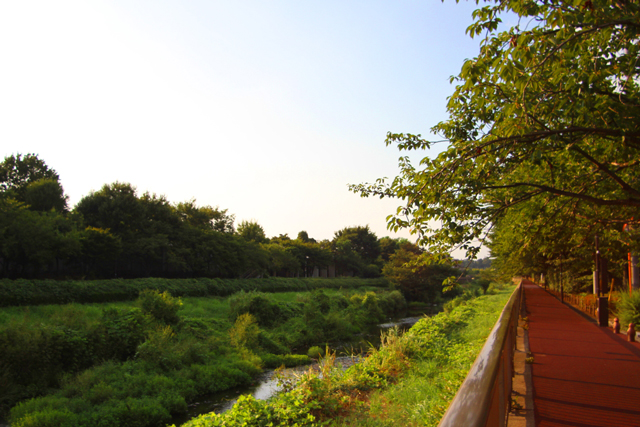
x: 266, y: 108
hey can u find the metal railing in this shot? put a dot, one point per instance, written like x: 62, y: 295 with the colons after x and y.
x: 484, y: 398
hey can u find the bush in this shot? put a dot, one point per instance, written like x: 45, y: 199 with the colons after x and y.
x: 270, y: 344
x: 484, y: 284
x: 36, y: 292
x: 245, y: 332
x: 118, y: 334
x: 34, y: 357
x: 315, y: 352
x: 392, y: 303
x: 628, y: 308
x: 159, y: 349
x: 161, y: 306
x: 266, y: 311
x: 288, y: 360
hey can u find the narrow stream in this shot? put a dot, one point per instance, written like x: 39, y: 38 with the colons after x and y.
x: 266, y: 385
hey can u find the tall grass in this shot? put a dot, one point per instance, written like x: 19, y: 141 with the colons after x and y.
x: 445, y: 347
x: 408, y: 381
x: 86, y: 364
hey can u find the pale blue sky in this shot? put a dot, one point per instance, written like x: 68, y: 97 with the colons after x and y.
x: 265, y: 108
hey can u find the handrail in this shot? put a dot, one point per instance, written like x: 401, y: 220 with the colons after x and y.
x: 484, y: 397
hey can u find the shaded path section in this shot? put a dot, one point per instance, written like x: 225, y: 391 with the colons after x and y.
x: 583, y: 374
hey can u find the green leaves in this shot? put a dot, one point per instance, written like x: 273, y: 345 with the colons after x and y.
x: 549, y: 109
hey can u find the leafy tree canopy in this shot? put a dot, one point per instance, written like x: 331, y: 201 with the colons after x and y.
x: 361, y: 240
x: 45, y: 194
x: 28, y: 179
x: 206, y: 216
x: 416, y: 274
x: 252, y: 232
x: 546, y: 116
x: 17, y: 171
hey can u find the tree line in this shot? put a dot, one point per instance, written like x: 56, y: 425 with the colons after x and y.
x: 117, y: 232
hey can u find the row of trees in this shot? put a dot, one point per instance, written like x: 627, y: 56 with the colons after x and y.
x: 115, y: 232
x: 543, y: 142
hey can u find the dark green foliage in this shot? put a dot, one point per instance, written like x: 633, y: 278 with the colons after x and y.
x: 266, y: 311
x: 418, y: 275
x: 45, y: 195
x: 392, y: 303
x: 128, y: 394
x: 34, y: 356
x: 270, y: 344
x: 18, y: 171
x: 115, y: 232
x: 118, y: 335
x: 483, y: 283
x: 288, y: 360
x: 218, y: 377
x: 34, y: 292
x: 160, y: 306
x: 133, y: 356
x: 362, y: 241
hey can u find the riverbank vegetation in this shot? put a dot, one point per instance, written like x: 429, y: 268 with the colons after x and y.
x: 408, y: 381
x: 137, y: 363
x: 33, y: 292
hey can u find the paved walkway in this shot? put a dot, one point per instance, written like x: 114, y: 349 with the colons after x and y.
x: 583, y: 374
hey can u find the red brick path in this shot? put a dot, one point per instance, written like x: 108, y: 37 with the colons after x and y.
x: 583, y: 374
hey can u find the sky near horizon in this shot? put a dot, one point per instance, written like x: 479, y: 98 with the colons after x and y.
x: 266, y: 109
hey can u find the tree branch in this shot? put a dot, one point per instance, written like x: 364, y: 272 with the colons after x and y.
x: 595, y: 200
x: 626, y: 187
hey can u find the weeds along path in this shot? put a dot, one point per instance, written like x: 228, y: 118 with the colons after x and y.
x: 409, y: 381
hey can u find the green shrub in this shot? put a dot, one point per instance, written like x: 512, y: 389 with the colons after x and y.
x: 118, y: 334
x: 48, y: 418
x: 266, y: 311
x: 218, y: 377
x: 321, y: 300
x: 161, y: 306
x: 245, y: 332
x: 392, y: 303
x: 36, y: 292
x: 159, y: 348
x: 288, y: 360
x: 315, y: 352
x: 35, y: 356
x: 368, y: 303
x: 484, y: 284
x: 628, y: 308
x: 269, y: 344
x: 337, y: 327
